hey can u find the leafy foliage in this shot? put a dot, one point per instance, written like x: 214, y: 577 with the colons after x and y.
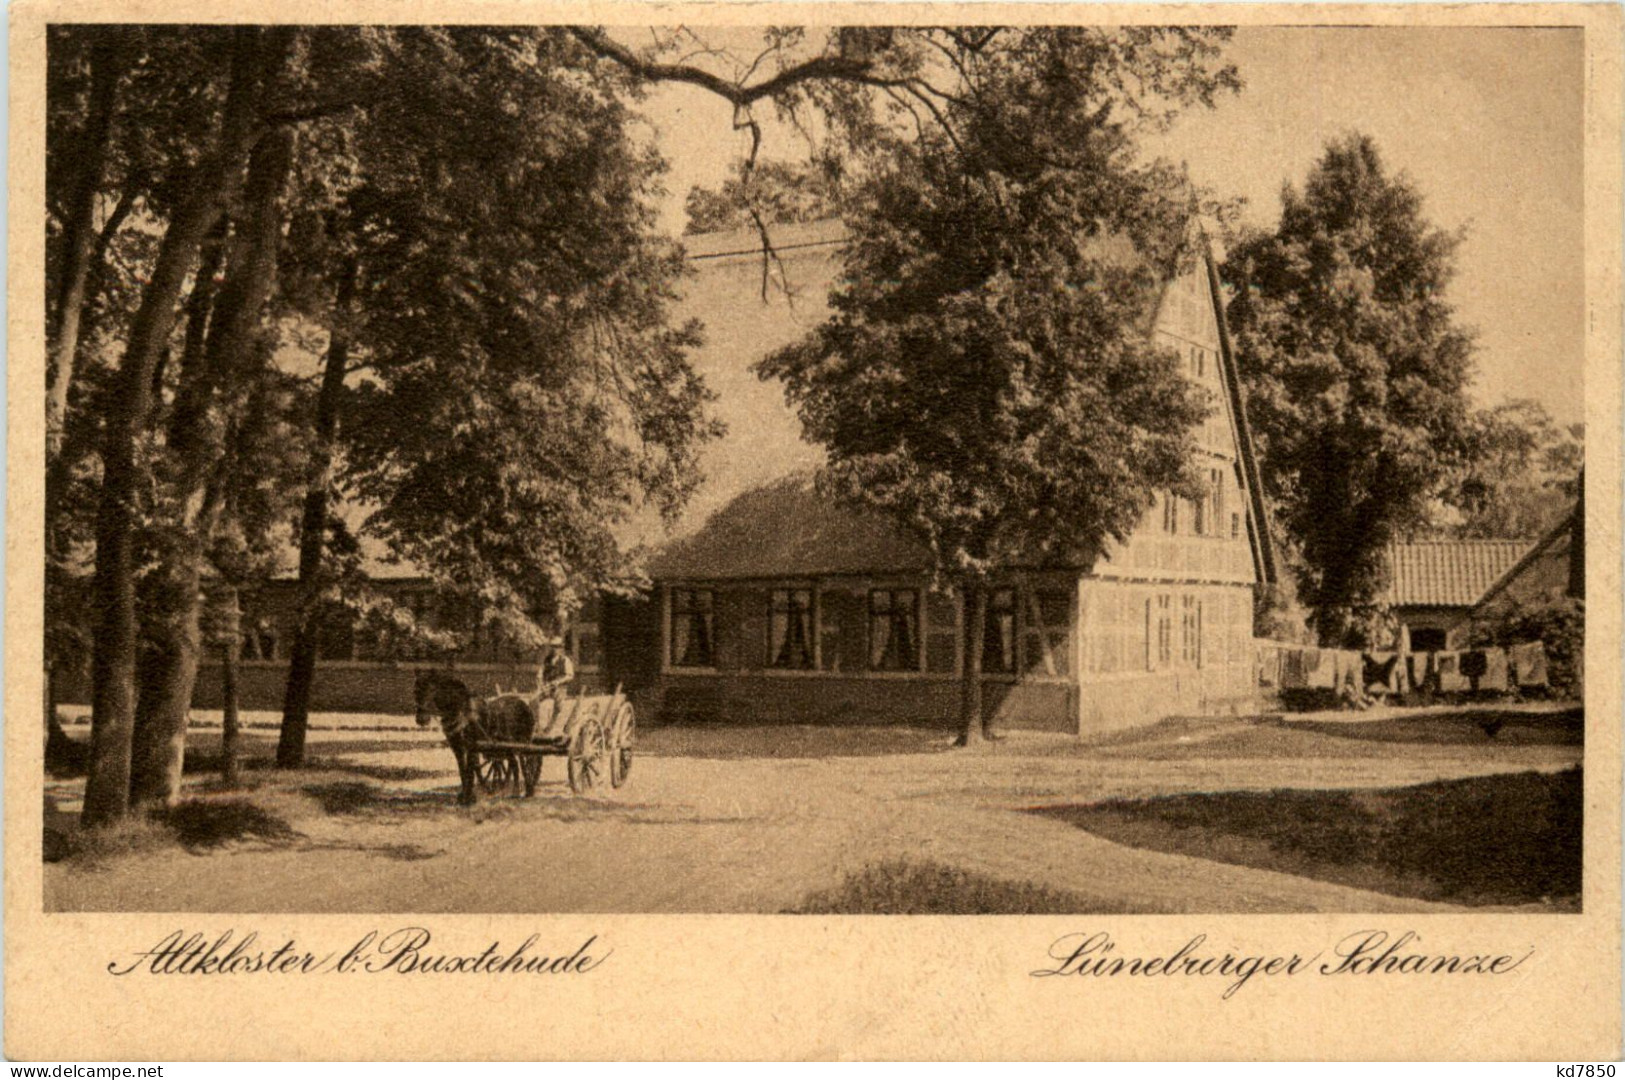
x: 1355, y: 370
x: 1520, y: 474
x: 986, y: 378
x: 511, y: 311
x: 524, y: 393
x: 772, y: 192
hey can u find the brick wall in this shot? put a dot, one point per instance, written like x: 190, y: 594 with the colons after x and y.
x: 339, y: 687
x: 857, y: 700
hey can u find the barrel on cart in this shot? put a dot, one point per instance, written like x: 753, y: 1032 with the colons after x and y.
x: 594, y: 733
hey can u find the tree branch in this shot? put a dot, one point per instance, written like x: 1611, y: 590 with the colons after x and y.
x: 819, y: 67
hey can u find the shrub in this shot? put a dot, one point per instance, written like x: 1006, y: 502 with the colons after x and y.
x: 1556, y: 620
x: 904, y: 887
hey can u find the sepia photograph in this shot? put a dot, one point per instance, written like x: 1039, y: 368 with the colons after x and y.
x: 501, y: 482
x: 867, y: 470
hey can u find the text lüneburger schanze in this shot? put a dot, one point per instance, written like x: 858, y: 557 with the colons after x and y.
x: 1362, y: 954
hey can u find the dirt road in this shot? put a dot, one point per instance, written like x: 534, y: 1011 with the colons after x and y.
x: 755, y: 820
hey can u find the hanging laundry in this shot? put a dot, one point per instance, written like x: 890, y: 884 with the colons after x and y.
x: 1419, y: 670
x: 1529, y: 663
x: 1447, y: 674
x: 1294, y: 676
x: 1350, y: 669
x: 1320, y: 669
x: 1473, y: 666
x: 1269, y: 666
x: 1381, y: 672
x: 1495, y: 670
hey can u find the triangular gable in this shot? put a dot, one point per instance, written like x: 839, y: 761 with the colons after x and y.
x: 1564, y: 530
x: 1259, y: 533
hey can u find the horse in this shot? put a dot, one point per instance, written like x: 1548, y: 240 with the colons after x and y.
x: 466, y: 719
x: 436, y: 694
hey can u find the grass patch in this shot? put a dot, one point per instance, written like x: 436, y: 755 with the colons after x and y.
x: 926, y: 888
x: 197, y: 825
x: 93, y: 849
x: 1493, y: 840
x: 200, y: 824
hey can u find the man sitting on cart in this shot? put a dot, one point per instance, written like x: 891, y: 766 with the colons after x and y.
x: 556, y: 675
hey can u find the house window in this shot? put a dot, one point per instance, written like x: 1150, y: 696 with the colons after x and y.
x: 1215, y: 494
x: 894, y: 630
x: 1159, y: 632
x: 789, y: 629
x: 1190, y: 631
x: 1235, y: 526
x: 1170, y: 513
x: 999, y: 633
x: 586, y: 646
x: 1049, y: 634
x: 692, y: 638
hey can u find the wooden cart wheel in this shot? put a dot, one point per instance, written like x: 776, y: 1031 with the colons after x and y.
x: 588, y: 760
x: 498, y: 772
x: 620, y: 753
x: 531, y: 764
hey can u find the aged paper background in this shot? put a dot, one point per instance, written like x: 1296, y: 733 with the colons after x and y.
x: 799, y: 986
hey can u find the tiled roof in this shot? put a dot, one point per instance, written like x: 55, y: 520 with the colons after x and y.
x: 1448, y: 573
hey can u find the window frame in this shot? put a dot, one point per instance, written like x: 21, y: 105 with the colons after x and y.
x: 1159, y: 631
x: 891, y: 593
x: 812, y: 624
x: 674, y: 612
x: 1054, y: 659
x: 1013, y: 609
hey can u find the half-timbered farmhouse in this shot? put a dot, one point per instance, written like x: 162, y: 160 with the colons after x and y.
x: 786, y: 607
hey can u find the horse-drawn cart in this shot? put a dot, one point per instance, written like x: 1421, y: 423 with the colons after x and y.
x: 593, y: 733
x: 500, y: 741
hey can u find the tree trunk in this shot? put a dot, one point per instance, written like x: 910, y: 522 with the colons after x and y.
x: 168, y: 676
x: 230, y: 649
x: 197, y: 446
x: 129, y: 407
x: 79, y: 235
x: 974, y: 606
x: 290, y: 751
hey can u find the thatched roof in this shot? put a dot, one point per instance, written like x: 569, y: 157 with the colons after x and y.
x: 785, y: 528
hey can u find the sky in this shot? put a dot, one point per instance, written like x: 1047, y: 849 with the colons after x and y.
x: 1488, y: 123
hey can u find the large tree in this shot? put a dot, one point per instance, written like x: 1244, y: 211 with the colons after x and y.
x: 523, y: 392
x: 500, y: 386
x: 515, y: 268
x: 1355, y: 368
x: 987, y: 380
x: 203, y: 188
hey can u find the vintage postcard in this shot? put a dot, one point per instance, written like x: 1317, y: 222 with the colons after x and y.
x: 764, y: 531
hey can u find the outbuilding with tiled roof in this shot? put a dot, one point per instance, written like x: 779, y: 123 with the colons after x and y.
x: 1433, y: 584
